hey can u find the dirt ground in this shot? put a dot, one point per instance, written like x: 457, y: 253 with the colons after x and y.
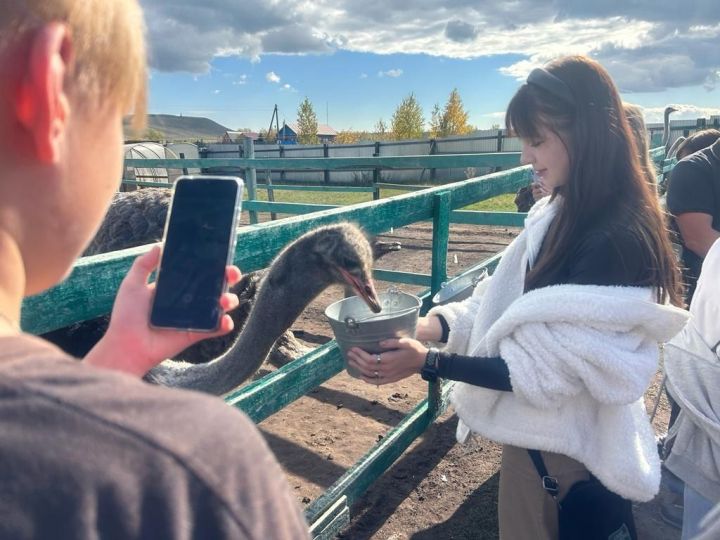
x: 438, y: 489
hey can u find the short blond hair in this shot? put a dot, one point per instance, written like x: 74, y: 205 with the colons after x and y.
x: 109, y: 58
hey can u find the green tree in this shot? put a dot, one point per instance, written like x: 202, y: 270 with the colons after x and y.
x: 436, y: 122
x: 454, y: 117
x: 152, y: 134
x: 348, y: 136
x: 268, y: 136
x: 407, y: 121
x: 307, y: 123
x: 380, y: 130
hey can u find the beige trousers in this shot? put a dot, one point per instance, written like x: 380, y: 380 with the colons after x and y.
x: 525, y: 510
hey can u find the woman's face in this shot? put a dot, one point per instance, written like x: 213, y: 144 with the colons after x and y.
x: 549, y: 158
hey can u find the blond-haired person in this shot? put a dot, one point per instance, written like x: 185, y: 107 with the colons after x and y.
x: 88, y: 452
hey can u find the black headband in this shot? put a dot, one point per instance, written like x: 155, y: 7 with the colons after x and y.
x: 542, y: 78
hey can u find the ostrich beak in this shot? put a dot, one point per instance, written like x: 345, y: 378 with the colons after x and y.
x: 364, y: 289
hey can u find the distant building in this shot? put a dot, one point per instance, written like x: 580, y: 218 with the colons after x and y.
x: 288, y: 134
x: 238, y: 137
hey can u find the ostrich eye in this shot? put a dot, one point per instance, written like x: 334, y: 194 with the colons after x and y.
x: 345, y: 262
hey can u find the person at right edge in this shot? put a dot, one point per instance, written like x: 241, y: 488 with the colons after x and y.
x: 693, y: 198
x: 554, y: 352
x: 692, y: 365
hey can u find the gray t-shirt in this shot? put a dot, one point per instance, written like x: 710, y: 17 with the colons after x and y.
x: 90, y: 453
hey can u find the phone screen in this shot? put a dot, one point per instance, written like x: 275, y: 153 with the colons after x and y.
x: 199, y: 237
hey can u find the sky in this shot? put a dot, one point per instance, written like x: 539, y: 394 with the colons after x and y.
x: 234, y: 60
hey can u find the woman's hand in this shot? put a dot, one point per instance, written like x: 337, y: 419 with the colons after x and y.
x: 539, y: 190
x: 405, y: 357
x: 130, y: 344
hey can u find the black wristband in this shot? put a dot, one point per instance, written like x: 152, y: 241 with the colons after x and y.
x: 445, y: 329
x: 429, y: 370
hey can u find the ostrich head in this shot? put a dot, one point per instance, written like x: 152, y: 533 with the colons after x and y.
x: 343, y: 252
x: 337, y: 253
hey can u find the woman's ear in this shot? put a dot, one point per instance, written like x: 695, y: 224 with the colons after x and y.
x: 42, y: 102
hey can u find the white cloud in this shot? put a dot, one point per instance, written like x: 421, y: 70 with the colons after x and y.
x: 216, y: 92
x: 390, y: 73
x: 272, y: 77
x: 241, y: 80
x: 288, y: 88
x: 363, y: 76
x: 647, y: 46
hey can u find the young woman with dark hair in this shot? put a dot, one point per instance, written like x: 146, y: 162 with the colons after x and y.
x: 554, y: 352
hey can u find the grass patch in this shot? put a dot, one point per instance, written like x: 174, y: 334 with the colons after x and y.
x: 501, y: 203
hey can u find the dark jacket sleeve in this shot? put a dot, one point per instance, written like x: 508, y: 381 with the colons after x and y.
x: 490, y: 373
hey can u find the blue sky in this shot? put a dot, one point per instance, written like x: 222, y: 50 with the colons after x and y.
x: 353, y: 90
x: 233, y: 61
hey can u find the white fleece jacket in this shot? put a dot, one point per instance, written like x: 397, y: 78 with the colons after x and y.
x: 580, y: 358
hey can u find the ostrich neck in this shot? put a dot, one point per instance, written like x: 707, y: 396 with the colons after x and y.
x: 286, y: 290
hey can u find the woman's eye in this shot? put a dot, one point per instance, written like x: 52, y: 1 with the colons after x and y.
x: 535, y: 144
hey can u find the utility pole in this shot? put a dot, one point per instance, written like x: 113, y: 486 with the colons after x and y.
x: 275, y: 117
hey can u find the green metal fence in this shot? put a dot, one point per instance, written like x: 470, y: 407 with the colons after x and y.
x: 252, y: 164
x: 90, y: 290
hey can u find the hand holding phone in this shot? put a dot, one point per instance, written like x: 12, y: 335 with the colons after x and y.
x: 198, y: 244
x: 130, y: 344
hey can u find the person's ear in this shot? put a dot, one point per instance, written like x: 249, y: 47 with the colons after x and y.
x: 42, y: 101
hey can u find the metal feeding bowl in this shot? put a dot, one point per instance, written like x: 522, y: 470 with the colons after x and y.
x: 355, y: 325
x: 459, y: 289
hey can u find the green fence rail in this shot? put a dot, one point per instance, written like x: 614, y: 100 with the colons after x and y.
x: 493, y: 159
x: 91, y: 288
x: 252, y: 164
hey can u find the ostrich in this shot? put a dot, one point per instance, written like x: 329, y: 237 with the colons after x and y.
x: 666, y: 127
x: 332, y: 254
x: 138, y: 218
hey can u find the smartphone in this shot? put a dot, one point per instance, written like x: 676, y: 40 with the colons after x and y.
x: 199, y: 242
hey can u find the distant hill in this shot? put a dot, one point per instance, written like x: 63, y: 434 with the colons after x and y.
x: 181, y: 128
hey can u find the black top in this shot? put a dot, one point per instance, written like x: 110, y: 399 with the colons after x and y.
x: 607, y: 255
x: 91, y: 453
x: 695, y: 187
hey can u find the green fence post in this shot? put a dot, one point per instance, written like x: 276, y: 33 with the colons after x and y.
x: 441, y: 236
x: 270, y: 192
x: 499, y: 147
x: 184, y: 170
x: 250, y: 178
x: 281, y: 154
x: 376, y: 173
x: 326, y: 154
x: 433, y: 151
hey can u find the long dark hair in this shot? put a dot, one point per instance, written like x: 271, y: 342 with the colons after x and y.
x: 605, y: 171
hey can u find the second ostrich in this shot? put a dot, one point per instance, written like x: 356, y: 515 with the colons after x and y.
x: 332, y: 254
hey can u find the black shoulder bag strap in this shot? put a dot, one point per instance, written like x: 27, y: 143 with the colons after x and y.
x: 549, y: 483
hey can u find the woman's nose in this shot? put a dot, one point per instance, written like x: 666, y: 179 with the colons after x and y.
x: 526, y: 157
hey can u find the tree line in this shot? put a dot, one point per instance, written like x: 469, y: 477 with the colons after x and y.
x: 407, y: 122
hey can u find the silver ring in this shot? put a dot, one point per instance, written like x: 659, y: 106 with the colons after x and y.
x: 378, y: 359
x: 377, y: 375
